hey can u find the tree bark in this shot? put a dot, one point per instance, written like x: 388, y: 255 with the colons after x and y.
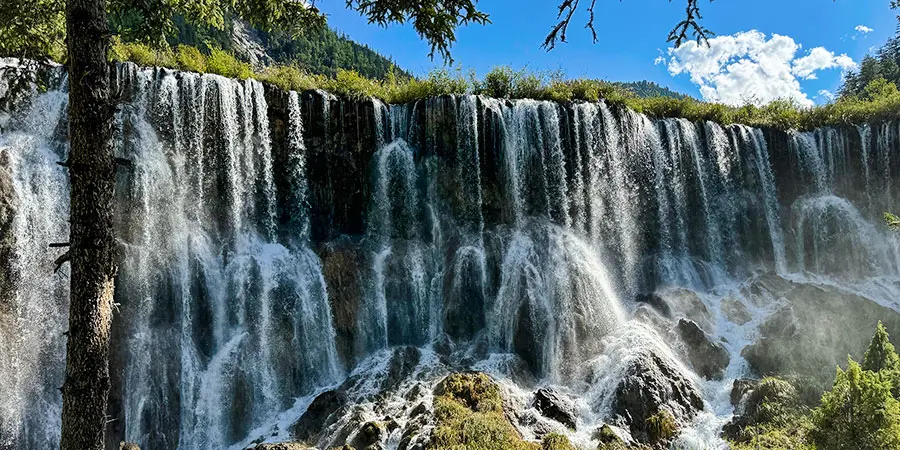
x: 93, y: 249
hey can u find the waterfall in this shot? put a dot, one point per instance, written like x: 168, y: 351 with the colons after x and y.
x: 275, y: 243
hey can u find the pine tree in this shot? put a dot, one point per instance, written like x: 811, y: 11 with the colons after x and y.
x: 881, y: 355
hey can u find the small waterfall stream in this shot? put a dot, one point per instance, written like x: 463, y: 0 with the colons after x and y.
x: 273, y: 242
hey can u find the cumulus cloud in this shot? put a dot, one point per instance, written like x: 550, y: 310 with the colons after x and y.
x: 751, y: 67
x: 826, y: 94
x: 863, y: 29
x: 820, y: 59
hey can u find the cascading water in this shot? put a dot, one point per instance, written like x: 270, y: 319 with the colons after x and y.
x: 278, y: 244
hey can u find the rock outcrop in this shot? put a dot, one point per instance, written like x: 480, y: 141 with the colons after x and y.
x: 651, y: 386
x: 313, y: 421
x: 708, y: 358
x: 555, y: 405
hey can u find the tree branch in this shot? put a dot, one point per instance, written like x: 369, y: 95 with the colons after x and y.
x: 64, y: 258
x: 689, y: 26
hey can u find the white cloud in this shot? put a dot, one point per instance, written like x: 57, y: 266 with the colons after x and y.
x: 750, y: 66
x: 863, y: 29
x: 820, y: 58
x: 826, y: 94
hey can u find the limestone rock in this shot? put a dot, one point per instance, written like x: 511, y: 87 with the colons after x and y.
x: 740, y: 387
x: 650, y: 386
x: 283, y: 446
x: 555, y: 405
x: 316, y: 416
x: 708, y: 358
x: 735, y: 311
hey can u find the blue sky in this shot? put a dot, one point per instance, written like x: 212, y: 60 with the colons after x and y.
x: 632, y: 37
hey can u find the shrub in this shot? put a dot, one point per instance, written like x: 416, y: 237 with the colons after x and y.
x: 556, y: 441
x: 859, y: 413
x: 609, y: 440
x: 498, y: 83
x: 190, y: 59
x: 223, y: 63
x: 290, y: 78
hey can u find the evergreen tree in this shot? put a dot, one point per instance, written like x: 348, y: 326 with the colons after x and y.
x: 859, y: 413
x: 880, y: 355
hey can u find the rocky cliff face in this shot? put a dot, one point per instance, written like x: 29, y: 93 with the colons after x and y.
x: 279, y: 245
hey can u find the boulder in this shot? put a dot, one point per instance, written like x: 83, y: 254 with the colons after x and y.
x: 735, y: 311
x: 313, y: 421
x: 403, y: 362
x: 685, y: 303
x: 654, y: 301
x: 708, y: 358
x: 650, y: 386
x: 740, y: 387
x: 283, y: 446
x: 369, y: 437
x: 555, y: 405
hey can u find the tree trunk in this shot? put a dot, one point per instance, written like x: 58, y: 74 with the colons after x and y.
x: 93, y: 250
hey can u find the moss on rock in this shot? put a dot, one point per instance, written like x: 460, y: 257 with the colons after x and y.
x: 469, y: 415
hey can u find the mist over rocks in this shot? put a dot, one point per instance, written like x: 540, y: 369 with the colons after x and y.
x: 816, y: 328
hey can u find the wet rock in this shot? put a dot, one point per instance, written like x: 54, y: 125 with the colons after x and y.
x: 515, y: 368
x: 708, y: 358
x: 555, y: 405
x: 736, y: 312
x: 656, y: 302
x: 313, y: 421
x: 443, y: 345
x: 415, y: 436
x: 651, y: 386
x: 8, y: 205
x: 766, y: 289
x: 341, y: 262
x: 369, y: 436
x: 685, y: 303
x: 403, y: 361
x: 283, y: 446
x: 816, y: 328
x: 740, y: 387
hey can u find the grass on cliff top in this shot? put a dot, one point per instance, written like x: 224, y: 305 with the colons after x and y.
x: 880, y: 101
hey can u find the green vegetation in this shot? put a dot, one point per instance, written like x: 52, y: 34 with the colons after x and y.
x: 469, y: 415
x: 556, y: 441
x: 662, y: 427
x: 862, y: 410
x: 33, y: 29
x: 892, y: 221
x: 880, y: 102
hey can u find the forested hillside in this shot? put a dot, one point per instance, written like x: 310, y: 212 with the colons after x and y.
x: 649, y: 89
